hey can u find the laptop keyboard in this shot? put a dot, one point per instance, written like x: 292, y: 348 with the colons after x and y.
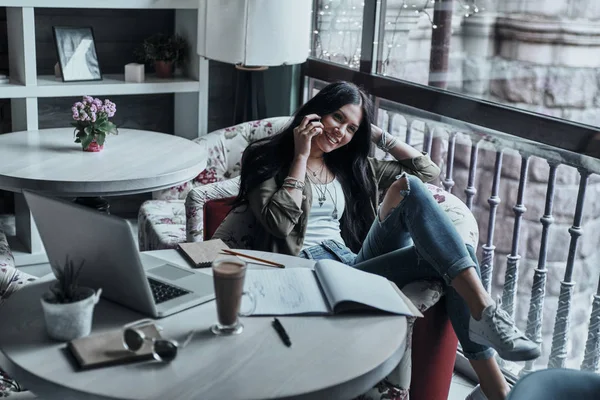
x: 163, y: 292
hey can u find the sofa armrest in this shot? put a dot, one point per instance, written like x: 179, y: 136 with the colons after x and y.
x: 6, y: 257
x: 197, y: 198
x: 11, y: 279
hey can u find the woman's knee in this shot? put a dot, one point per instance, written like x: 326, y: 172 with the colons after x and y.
x: 397, y: 191
x: 404, y: 185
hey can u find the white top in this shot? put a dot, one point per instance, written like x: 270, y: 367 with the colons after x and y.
x: 134, y: 161
x: 327, y: 207
x: 330, y: 358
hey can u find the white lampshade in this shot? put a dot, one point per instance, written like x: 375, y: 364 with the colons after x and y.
x: 255, y: 32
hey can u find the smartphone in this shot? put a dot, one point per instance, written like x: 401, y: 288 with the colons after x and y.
x: 316, y: 120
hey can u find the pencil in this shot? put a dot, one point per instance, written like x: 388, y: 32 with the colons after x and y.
x: 235, y: 253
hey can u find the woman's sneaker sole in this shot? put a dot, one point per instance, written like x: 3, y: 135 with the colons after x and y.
x: 511, y: 355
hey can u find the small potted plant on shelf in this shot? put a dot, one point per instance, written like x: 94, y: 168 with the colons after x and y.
x: 68, y: 307
x: 164, y: 51
x: 91, y: 122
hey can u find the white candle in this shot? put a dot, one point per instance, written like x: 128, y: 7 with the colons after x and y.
x: 134, y: 72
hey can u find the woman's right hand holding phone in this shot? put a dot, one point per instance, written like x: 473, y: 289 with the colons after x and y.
x: 309, y: 127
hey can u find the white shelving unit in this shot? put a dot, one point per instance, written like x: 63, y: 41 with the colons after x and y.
x: 111, y: 84
x: 150, y: 4
x: 26, y: 86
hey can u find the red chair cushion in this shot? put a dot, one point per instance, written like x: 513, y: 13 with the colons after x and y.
x: 433, y: 354
x: 215, y: 212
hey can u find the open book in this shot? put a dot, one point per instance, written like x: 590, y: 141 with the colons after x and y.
x: 331, y: 288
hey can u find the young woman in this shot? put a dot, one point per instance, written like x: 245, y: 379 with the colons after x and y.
x: 312, y: 191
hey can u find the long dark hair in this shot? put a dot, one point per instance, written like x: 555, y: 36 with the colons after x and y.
x: 266, y: 157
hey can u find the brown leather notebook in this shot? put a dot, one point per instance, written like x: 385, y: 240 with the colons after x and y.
x: 202, y: 254
x: 106, y: 349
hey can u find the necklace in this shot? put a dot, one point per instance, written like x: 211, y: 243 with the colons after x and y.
x: 322, y: 191
x: 320, y: 169
x: 334, y: 214
x: 320, y: 187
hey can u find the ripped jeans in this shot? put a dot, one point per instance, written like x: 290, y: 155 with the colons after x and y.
x: 416, y: 241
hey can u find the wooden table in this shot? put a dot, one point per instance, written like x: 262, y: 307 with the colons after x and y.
x: 331, y: 357
x: 48, y: 161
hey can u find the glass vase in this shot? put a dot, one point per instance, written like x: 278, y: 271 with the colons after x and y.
x: 93, y: 147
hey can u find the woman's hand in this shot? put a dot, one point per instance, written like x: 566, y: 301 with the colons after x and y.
x: 309, y: 127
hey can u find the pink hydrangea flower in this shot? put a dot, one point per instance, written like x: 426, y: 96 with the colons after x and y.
x: 93, y: 109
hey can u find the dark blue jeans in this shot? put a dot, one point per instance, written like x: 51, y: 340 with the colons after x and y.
x: 416, y: 241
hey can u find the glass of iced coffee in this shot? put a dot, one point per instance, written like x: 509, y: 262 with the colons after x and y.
x: 228, y: 277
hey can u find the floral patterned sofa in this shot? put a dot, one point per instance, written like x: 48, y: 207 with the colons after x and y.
x: 425, y: 371
x: 11, y: 280
x: 161, y: 221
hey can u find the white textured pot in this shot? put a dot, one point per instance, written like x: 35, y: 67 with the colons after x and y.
x: 71, y: 320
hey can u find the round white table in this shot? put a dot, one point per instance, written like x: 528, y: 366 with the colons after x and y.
x: 48, y: 161
x: 337, y: 357
x: 134, y: 161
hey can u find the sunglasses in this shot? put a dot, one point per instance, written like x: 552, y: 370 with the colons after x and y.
x: 163, y: 350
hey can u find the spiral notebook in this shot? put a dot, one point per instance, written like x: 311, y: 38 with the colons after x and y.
x: 202, y: 254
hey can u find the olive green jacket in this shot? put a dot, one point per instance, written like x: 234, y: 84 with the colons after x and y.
x: 272, y: 221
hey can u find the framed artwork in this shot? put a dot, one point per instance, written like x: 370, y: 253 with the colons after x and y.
x: 76, y: 51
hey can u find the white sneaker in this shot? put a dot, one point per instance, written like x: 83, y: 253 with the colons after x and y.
x: 497, y: 330
x: 476, y: 394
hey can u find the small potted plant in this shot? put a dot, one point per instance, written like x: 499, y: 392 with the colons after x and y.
x: 91, y: 122
x: 164, y: 51
x: 68, y: 307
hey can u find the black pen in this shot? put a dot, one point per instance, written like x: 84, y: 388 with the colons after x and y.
x: 281, y: 332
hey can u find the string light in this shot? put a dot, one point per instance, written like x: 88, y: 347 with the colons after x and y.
x: 339, y: 25
x: 344, y: 17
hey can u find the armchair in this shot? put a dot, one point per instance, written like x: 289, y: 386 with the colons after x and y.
x: 162, y: 220
x: 426, y: 368
x: 11, y: 280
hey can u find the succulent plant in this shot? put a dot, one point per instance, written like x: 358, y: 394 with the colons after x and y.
x: 66, y: 290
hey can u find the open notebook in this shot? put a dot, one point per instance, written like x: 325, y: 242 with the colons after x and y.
x: 331, y: 288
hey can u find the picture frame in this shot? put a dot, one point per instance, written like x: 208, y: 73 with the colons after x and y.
x: 76, y: 52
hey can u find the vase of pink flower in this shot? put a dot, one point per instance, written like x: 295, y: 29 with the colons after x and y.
x: 91, y: 122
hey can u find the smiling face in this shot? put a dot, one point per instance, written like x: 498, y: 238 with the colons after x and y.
x: 339, y: 127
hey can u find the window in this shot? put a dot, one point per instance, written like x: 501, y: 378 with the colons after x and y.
x: 337, y: 31
x: 541, y: 56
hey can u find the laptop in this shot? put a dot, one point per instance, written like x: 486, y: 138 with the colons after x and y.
x: 112, y: 261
